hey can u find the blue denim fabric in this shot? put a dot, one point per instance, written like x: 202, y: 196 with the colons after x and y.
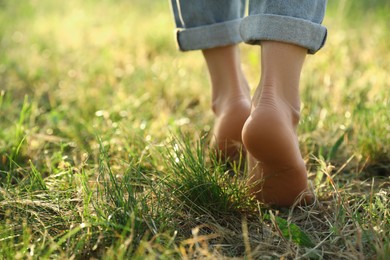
x: 204, y: 24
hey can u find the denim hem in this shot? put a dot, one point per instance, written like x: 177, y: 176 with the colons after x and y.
x: 307, y: 34
x: 209, y: 36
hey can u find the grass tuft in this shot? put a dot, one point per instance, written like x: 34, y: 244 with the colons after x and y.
x: 202, y: 181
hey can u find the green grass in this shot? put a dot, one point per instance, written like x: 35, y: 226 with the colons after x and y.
x: 104, y: 128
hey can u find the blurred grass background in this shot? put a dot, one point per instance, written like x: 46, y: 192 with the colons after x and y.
x: 98, y: 88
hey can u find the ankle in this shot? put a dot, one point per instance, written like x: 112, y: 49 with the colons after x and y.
x: 228, y: 93
x: 273, y: 97
x: 228, y: 102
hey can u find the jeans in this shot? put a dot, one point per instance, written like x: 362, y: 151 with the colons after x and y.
x: 204, y: 24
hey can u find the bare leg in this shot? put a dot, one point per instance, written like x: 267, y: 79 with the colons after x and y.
x: 277, y: 172
x: 230, y: 98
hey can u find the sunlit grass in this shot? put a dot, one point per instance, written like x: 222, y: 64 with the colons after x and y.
x: 104, y: 128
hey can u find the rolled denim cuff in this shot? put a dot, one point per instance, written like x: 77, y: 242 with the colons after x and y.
x: 260, y: 27
x: 209, y: 36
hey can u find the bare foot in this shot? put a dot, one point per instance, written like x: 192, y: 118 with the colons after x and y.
x: 277, y: 172
x: 230, y: 99
x: 230, y: 120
